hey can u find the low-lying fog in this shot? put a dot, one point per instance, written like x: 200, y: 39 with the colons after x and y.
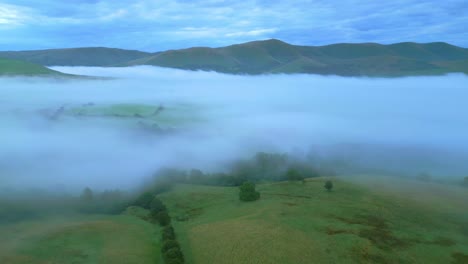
x: 399, y: 125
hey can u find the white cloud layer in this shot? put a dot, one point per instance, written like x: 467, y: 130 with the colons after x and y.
x: 403, y: 124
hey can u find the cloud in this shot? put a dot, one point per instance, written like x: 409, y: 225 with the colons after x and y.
x: 407, y: 125
x: 255, y: 33
x: 166, y: 24
x: 11, y: 15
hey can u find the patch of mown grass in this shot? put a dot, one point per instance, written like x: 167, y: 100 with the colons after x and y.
x: 81, y: 239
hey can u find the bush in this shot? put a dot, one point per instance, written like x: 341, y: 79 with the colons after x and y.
x: 157, y: 205
x: 174, y: 261
x: 168, y: 233
x: 144, y: 200
x: 172, y: 255
x: 294, y: 175
x: 163, y: 218
x: 328, y: 185
x: 248, y: 193
x: 168, y: 244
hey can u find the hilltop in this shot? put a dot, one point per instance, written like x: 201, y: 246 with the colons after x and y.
x: 273, y: 56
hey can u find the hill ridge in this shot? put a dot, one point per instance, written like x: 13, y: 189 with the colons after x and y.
x: 273, y: 56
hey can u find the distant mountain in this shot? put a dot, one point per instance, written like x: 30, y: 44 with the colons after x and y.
x: 275, y: 56
x: 76, y: 56
x: 15, y: 67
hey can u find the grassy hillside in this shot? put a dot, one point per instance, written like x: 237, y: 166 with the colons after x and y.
x: 76, y: 56
x: 375, y: 222
x: 274, y: 56
x: 80, y: 239
x: 15, y: 67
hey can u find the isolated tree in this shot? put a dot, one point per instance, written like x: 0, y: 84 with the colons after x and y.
x: 247, y: 192
x: 294, y: 175
x: 328, y: 185
x: 87, y: 195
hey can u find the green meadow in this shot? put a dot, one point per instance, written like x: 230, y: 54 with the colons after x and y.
x: 362, y: 219
x: 16, y: 67
x: 80, y: 239
x: 164, y: 116
x: 294, y: 222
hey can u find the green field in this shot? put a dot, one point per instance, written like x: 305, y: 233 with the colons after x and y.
x: 14, y: 67
x: 364, y: 221
x: 148, y: 115
x: 80, y: 239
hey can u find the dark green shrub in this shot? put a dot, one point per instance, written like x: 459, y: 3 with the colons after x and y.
x: 248, y: 193
x: 174, y: 261
x: 173, y: 254
x: 294, y: 175
x: 328, y: 185
x: 168, y: 233
x: 163, y: 218
x: 157, y: 206
x: 169, y: 244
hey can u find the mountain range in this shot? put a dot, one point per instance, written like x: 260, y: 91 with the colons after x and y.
x: 269, y: 57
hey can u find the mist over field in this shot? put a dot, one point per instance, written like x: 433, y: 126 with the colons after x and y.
x: 397, y: 125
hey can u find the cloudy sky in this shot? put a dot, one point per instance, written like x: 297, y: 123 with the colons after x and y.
x: 155, y: 25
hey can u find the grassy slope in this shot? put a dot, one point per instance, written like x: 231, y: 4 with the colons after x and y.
x: 76, y: 56
x: 15, y: 67
x: 296, y: 223
x: 81, y: 239
x: 274, y: 56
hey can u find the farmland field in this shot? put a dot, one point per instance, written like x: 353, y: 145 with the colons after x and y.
x: 300, y: 223
x: 80, y: 239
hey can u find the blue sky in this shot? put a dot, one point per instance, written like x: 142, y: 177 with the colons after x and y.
x: 161, y: 25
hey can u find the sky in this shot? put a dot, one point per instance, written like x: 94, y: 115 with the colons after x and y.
x: 161, y: 25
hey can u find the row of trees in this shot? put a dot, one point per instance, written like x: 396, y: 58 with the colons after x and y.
x: 248, y: 193
x: 261, y: 167
x: 170, y: 249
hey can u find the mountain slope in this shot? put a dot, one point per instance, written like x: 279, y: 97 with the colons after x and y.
x: 15, y: 67
x: 274, y: 56
x: 76, y: 56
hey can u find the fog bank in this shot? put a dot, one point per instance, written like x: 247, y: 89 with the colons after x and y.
x: 402, y: 125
